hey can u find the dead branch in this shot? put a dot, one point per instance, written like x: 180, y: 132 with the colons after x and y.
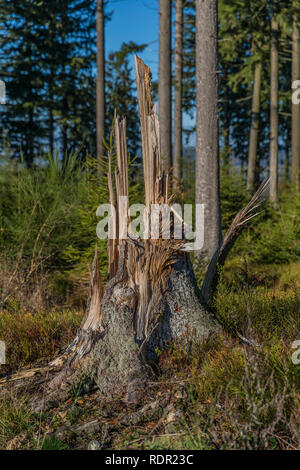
x: 240, y: 221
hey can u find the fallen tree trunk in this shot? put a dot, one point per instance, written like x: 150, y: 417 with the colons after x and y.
x: 151, y: 298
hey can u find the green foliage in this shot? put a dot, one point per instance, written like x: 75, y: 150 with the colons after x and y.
x: 38, y: 209
x: 274, y: 237
x: 80, y: 249
x: 48, y: 223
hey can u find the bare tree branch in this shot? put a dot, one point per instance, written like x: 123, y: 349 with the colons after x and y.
x: 239, y: 223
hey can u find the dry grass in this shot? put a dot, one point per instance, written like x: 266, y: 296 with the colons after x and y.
x: 224, y: 395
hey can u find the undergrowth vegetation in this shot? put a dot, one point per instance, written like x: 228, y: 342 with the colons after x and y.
x: 240, y: 391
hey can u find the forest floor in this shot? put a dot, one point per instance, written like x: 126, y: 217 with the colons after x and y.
x: 224, y: 394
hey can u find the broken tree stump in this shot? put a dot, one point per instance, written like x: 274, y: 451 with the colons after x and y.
x: 151, y: 298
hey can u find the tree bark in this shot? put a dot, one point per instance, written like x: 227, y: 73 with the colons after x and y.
x: 226, y: 123
x: 100, y: 84
x: 287, y: 155
x: 151, y: 299
x: 164, y: 82
x: 51, y: 93
x: 274, y: 115
x: 207, y: 145
x: 253, y: 139
x: 178, y: 59
x: 295, y: 107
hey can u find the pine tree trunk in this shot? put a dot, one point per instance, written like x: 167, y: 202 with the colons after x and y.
x: 207, y: 145
x: 51, y: 94
x: 253, y: 139
x: 178, y: 59
x: 226, y: 124
x: 164, y: 81
x: 100, y: 84
x: 295, y: 107
x: 274, y: 115
x: 64, y: 85
x: 65, y: 130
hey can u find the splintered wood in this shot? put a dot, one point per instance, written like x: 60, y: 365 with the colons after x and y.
x: 119, y: 195
x: 146, y: 260
x: 156, y: 182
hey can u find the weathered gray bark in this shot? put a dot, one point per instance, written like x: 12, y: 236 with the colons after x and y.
x: 274, y: 115
x: 253, y: 138
x: 164, y: 82
x: 100, y: 84
x: 207, y: 142
x: 295, y: 107
x: 178, y: 59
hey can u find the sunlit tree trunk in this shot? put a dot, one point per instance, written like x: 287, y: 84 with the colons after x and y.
x: 254, y: 130
x: 100, y: 95
x: 207, y: 136
x: 287, y: 155
x: 178, y: 58
x: 295, y: 107
x: 226, y: 124
x: 164, y: 81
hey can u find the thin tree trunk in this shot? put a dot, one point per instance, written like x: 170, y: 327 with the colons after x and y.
x: 51, y: 116
x: 64, y: 85
x: 30, y: 139
x: 51, y: 91
x: 30, y: 123
x: 207, y: 145
x: 51, y: 132
x: 65, y: 128
x: 295, y: 107
x: 100, y: 85
x: 274, y: 115
x: 287, y: 156
x: 178, y: 58
x: 164, y: 82
x: 226, y: 125
x: 254, y: 130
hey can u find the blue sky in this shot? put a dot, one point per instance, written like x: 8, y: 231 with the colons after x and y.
x: 134, y: 20
x: 137, y: 20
